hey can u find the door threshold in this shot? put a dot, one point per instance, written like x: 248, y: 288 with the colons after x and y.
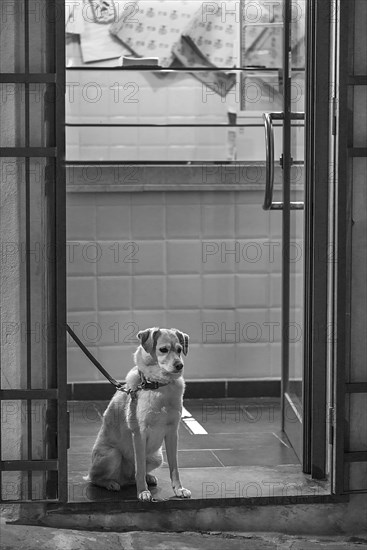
x: 174, y: 503
x: 208, y: 482
x: 313, y: 514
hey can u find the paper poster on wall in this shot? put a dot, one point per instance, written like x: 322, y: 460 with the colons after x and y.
x: 174, y: 31
x: 218, y: 81
x: 74, y: 17
x: 104, y: 11
x: 214, y: 35
x: 92, y: 21
x: 155, y: 27
x: 209, y: 42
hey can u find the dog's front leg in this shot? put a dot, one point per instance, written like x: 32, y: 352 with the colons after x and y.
x: 139, y: 441
x: 171, y: 441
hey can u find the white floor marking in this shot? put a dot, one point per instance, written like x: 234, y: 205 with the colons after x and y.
x: 193, y: 425
x: 281, y: 440
x: 185, y: 413
x: 248, y: 413
x: 219, y: 460
x: 293, y: 407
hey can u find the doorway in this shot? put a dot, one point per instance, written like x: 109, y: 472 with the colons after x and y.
x: 199, y: 199
x: 213, y: 275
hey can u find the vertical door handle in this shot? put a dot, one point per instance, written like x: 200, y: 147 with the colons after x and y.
x: 269, y: 176
x: 269, y: 146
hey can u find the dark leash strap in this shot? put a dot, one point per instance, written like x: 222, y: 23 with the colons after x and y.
x: 118, y: 385
x: 144, y: 385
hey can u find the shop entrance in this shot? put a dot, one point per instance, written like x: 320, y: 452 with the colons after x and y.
x: 299, y: 437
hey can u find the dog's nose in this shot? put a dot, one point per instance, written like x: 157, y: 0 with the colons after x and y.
x: 179, y: 366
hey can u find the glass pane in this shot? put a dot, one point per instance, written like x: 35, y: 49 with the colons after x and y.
x: 183, y: 35
x: 12, y: 37
x: 262, y: 91
x: 20, y: 324
x: 14, y: 429
x: 262, y: 34
x: 12, y: 273
x: 20, y: 418
x: 14, y: 485
x: 139, y: 97
x: 42, y: 262
x: 190, y: 33
x: 296, y: 248
x: 20, y: 485
x: 12, y: 115
x: 41, y: 15
x: 41, y: 114
x: 15, y: 54
x: 28, y: 433
x: 187, y: 144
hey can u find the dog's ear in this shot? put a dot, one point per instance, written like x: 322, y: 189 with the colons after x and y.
x: 183, y: 339
x: 148, y: 338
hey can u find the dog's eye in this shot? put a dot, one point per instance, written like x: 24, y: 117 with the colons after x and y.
x: 163, y: 350
x: 179, y: 350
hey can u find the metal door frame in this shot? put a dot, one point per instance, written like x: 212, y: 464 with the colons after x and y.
x: 316, y: 235
x: 54, y: 77
x: 315, y: 408
x: 315, y: 314
x: 286, y: 212
x: 345, y: 151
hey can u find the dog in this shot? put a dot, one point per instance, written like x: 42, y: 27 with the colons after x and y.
x: 137, y: 420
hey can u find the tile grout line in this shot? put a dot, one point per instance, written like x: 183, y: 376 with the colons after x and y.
x: 219, y: 460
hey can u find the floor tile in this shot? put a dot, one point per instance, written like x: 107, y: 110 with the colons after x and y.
x: 196, y: 459
x: 262, y: 455
x: 79, y: 462
x: 244, y: 452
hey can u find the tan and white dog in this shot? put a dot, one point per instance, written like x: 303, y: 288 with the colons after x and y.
x: 136, y: 421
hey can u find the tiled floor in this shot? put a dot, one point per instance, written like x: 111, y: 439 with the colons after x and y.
x: 244, y: 453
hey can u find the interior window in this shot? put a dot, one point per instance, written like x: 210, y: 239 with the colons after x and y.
x: 162, y: 80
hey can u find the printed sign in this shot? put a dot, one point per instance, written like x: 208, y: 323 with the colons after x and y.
x: 104, y: 10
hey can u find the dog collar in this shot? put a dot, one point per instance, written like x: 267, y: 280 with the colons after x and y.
x: 145, y: 384
x: 150, y: 384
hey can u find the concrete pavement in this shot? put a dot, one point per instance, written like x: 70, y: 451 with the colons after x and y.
x: 26, y: 537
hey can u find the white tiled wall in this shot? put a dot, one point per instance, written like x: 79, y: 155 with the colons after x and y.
x: 137, y: 260
x: 143, y: 98
x: 115, y: 97
x: 235, y: 292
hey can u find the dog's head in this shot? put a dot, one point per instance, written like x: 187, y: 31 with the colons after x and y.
x: 166, y: 347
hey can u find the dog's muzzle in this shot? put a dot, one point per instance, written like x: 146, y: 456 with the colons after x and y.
x: 178, y: 366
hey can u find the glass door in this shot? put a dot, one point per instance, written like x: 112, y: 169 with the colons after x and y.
x: 293, y: 223
x: 291, y: 209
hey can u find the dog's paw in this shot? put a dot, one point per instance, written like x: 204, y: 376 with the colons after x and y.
x: 182, y: 492
x: 151, y: 480
x: 113, y: 486
x: 145, y: 496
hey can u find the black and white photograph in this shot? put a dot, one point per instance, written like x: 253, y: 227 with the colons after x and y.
x: 183, y: 274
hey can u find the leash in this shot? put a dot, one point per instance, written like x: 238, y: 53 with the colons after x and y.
x: 118, y: 385
x: 144, y: 384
